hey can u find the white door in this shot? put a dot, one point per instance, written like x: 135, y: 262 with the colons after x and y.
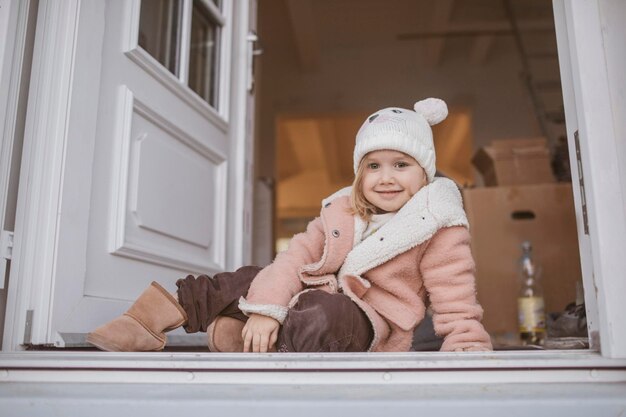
x: 590, y: 38
x: 148, y: 183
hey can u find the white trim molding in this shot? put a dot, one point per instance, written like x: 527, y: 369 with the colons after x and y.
x: 156, y: 70
x: 45, y: 198
x: 242, y: 120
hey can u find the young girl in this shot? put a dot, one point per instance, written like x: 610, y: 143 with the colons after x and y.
x: 359, y: 279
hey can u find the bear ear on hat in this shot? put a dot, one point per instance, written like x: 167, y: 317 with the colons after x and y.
x: 434, y: 110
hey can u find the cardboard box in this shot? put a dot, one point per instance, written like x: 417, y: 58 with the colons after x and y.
x: 514, y: 162
x: 501, y: 218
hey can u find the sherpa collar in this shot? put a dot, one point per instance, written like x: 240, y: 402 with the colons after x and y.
x: 435, y: 206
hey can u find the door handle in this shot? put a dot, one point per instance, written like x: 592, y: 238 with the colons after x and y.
x: 252, y: 38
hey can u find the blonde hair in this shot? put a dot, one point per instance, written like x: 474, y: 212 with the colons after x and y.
x: 358, y: 203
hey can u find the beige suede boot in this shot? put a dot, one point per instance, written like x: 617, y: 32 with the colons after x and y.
x: 143, y: 326
x: 224, y: 335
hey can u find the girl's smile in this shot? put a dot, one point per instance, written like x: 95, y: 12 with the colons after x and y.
x: 390, y: 179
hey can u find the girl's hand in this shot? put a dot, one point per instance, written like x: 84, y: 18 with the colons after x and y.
x: 260, y: 333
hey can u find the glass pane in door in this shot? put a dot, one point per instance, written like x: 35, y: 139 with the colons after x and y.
x: 159, y: 31
x: 203, y: 53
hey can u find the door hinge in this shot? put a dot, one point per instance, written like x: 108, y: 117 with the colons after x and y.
x: 28, y: 327
x: 581, y: 183
x: 6, y: 242
x: 6, y: 253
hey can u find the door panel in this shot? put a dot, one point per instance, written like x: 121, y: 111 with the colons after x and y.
x: 171, y: 195
x: 160, y: 172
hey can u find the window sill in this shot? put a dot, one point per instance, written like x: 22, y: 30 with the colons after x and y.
x: 546, y: 381
x: 410, y: 361
x: 104, y: 384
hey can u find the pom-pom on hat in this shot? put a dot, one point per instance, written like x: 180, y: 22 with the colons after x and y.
x: 403, y: 130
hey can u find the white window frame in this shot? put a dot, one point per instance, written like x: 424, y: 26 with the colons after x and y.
x: 590, y: 113
x: 13, y: 22
x: 219, y: 20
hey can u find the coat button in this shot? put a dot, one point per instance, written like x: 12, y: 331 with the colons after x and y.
x: 335, y: 233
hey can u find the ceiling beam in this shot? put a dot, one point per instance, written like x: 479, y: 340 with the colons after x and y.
x: 304, y: 33
x: 440, y: 16
x: 479, y: 28
x: 480, y: 49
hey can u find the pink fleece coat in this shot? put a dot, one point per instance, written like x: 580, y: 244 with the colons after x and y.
x: 420, y: 257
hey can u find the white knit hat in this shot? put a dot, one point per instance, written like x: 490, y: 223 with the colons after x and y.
x: 403, y: 130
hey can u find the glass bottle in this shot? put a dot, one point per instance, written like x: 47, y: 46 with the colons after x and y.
x: 530, y: 303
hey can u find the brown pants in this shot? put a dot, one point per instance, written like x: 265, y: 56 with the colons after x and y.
x: 318, y: 322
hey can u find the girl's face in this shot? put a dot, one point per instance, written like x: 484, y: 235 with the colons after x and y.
x: 390, y: 179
